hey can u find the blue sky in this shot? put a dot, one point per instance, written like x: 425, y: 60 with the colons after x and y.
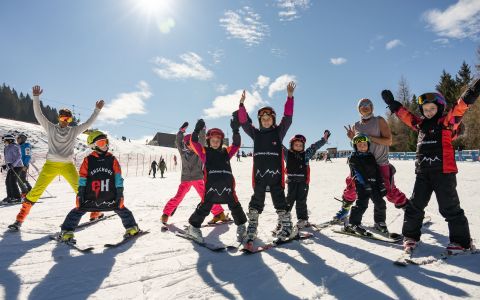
x: 159, y: 63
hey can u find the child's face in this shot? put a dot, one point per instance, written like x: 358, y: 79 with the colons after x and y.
x: 297, y: 146
x: 362, y: 147
x: 429, y: 110
x: 215, y: 142
x: 266, y: 120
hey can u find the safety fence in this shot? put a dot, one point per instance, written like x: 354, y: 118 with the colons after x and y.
x: 465, y: 155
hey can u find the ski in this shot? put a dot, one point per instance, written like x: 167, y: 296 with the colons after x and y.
x: 213, y: 247
x: 229, y: 221
x: 6, y: 204
x: 320, y: 226
x: 72, y: 244
x: 249, y: 248
x: 127, y: 239
x: 88, y: 223
x: 371, y: 235
x: 408, y: 258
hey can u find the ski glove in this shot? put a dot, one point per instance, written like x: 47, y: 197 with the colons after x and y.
x: 472, y: 92
x: 200, y: 125
x: 184, y: 126
x: 387, y: 97
x: 328, y: 133
x: 234, y: 123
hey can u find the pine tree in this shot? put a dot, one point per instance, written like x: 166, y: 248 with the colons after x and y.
x: 448, y: 88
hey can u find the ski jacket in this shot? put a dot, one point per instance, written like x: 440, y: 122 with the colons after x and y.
x: 435, y: 152
x: 192, y: 166
x: 61, y: 141
x: 26, y: 150
x: 365, y: 170
x: 218, y: 177
x: 268, y: 162
x: 298, y: 167
x: 12, y: 155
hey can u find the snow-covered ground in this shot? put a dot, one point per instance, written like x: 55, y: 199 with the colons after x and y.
x: 163, y: 266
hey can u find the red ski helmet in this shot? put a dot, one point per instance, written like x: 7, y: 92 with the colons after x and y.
x: 298, y: 137
x: 215, y: 132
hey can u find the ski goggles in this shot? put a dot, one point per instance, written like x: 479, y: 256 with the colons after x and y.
x: 365, y: 104
x: 67, y: 119
x: 101, y: 143
x: 359, y: 139
x: 298, y: 137
x: 431, y: 98
x: 267, y: 112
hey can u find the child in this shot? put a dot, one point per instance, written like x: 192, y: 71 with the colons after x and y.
x: 192, y: 175
x: 268, y: 170
x: 100, y: 188
x: 13, y: 161
x: 61, y: 141
x: 26, y: 150
x: 219, y: 180
x: 435, y: 166
x: 298, y: 174
x: 369, y: 184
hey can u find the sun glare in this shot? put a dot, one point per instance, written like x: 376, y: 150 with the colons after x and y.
x: 153, y: 8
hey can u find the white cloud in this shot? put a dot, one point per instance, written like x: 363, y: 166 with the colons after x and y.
x: 442, y: 41
x: 244, y: 24
x: 224, y: 105
x: 262, y: 82
x: 166, y: 25
x: 289, y: 9
x: 217, y: 55
x: 280, y: 84
x: 280, y: 53
x: 338, y: 60
x: 393, y: 43
x: 221, y: 88
x: 190, y: 67
x: 460, y: 20
x: 126, y: 104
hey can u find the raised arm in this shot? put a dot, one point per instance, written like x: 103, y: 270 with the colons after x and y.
x: 236, y: 139
x: 37, y: 109
x: 402, y: 113
x: 468, y: 98
x: 244, y: 119
x: 194, y: 142
x: 84, y: 126
x: 288, y: 111
x: 310, y: 151
x: 179, y: 138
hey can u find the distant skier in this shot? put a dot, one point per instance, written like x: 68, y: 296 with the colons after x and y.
x: 238, y: 156
x: 61, y: 142
x: 26, y: 157
x: 162, y: 167
x: 100, y: 189
x: 153, y: 168
x: 13, y: 165
x: 435, y: 166
x: 268, y: 165
x: 327, y: 157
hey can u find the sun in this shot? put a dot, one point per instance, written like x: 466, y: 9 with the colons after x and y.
x: 153, y: 8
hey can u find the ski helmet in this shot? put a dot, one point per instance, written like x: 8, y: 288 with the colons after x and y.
x: 8, y: 137
x: 22, y: 137
x: 435, y: 98
x: 298, y: 137
x: 215, y: 132
x: 364, y: 101
x: 95, y: 136
x: 358, y: 138
x: 266, y: 110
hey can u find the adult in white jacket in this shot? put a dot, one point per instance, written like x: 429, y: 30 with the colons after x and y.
x: 61, y: 142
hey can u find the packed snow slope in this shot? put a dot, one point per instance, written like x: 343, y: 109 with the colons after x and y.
x: 161, y: 265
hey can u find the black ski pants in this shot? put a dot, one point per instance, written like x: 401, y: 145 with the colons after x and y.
x: 203, y: 210
x: 361, y: 205
x: 276, y: 191
x: 297, y: 193
x: 11, y: 183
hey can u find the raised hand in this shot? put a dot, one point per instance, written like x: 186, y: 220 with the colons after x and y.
x: 200, y: 125
x: 472, y: 92
x: 234, y: 123
x: 291, y: 88
x: 350, y: 131
x: 326, y: 134
x: 184, y: 126
x: 242, y: 98
x: 387, y: 97
x: 37, y: 90
x: 100, y: 104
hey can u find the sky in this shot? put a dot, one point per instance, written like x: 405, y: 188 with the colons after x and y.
x: 160, y: 63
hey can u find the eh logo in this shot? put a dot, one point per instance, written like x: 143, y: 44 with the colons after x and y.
x: 100, y: 186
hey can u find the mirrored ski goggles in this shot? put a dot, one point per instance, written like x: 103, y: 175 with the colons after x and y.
x: 300, y: 138
x: 359, y: 139
x: 266, y: 112
x: 431, y: 98
x: 65, y: 119
x: 101, y: 143
x: 365, y: 104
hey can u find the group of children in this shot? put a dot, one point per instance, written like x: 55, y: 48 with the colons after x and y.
x: 206, y: 167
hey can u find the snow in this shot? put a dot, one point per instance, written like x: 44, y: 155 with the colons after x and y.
x: 163, y: 266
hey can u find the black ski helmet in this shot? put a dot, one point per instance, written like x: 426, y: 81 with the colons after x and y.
x: 435, y: 98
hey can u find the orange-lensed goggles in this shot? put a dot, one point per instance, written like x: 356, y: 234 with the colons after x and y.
x: 101, y: 143
x: 65, y: 119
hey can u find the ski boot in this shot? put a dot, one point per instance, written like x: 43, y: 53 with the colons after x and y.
x: 381, y: 227
x: 164, y: 219
x: 14, y: 200
x: 195, y: 234
x: 343, y: 213
x: 221, y: 217
x: 277, y: 229
x: 286, y: 232
x: 131, y: 231
x: 303, y: 223
x: 6, y: 200
x: 456, y: 248
x: 66, y: 236
x: 409, y: 244
x: 96, y: 215
x: 252, y: 224
x: 356, y: 229
x: 241, y: 233
x: 15, y: 226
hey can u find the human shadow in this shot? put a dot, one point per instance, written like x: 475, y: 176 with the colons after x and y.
x: 76, y: 276
x: 249, y: 274
x: 12, y: 247
x: 381, y: 267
